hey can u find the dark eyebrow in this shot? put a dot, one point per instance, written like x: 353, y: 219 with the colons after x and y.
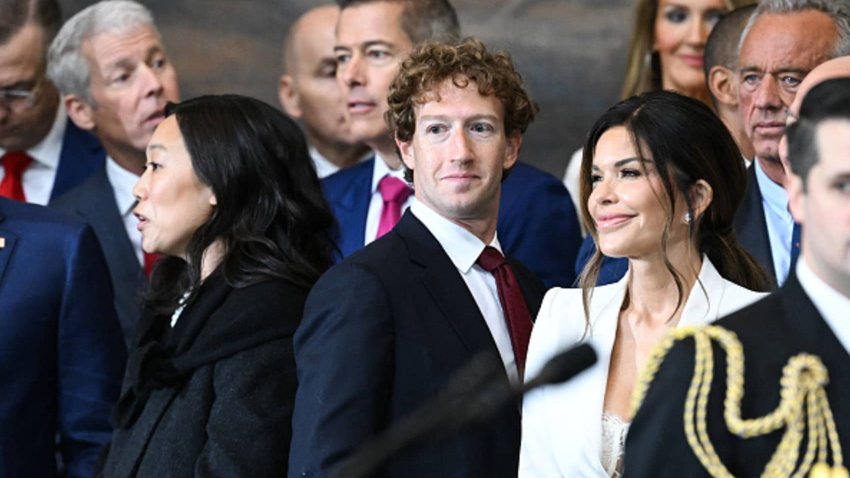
x: 625, y: 161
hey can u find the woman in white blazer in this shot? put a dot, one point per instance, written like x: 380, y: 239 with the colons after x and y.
x: 661, y: 181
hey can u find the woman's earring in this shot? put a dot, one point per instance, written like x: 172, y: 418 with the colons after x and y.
x: 687, y: 218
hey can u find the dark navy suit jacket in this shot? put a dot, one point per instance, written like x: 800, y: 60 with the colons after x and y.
x: 94, y: 202
x: 750, y: 229
x: 537, y: 225
x: 81, y: 156
x: 383, y: 332
x: 61, y: 351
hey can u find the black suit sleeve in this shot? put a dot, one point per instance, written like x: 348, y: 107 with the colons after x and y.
x: 344, y: 352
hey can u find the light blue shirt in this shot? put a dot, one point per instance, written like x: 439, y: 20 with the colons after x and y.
x: 780, y: 223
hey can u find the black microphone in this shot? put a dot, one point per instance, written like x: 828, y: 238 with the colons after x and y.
x: 475, y: 393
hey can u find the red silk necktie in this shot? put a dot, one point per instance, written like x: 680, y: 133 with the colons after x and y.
x: 14, y: 165
x: 394, y: 192
x: 513, y: 303
x: 150, y: 260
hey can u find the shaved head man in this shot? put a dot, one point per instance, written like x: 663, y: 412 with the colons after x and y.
x: 835, y: 68
x: 308, y: 90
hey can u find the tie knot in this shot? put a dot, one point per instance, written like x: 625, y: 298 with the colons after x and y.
x: 393, y: 190
x: 490, y: 259
x: 15, y: 162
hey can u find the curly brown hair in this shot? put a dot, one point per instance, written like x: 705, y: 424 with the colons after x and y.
x: 465, y: 61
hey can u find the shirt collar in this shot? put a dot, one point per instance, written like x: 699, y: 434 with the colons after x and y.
x: 381, y: 169
x: 47, y: 151
x: 831, y: 304
x: 122, y: 182
x: 774, y: 194
x: 462, y: 247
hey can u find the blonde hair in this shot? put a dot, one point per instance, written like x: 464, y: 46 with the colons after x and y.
x: 643, y: 71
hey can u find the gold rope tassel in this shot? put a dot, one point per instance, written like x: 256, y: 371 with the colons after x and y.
x: 802, y: 390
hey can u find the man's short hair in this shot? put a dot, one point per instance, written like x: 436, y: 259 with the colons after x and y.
x: 829, y: 100
x: 66, y: 65
x: 721, y: 48
x: 421, y: 20
x: 17, y: 13
x: 432, y: 63
x: 835, y: 9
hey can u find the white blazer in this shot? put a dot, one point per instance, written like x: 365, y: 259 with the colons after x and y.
x: 562, y: 424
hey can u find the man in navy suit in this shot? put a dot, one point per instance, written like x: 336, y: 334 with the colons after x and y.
x: 537, y: 222
x: 385, y: 329
x: 41, y: 152
x: 782, y: 43
x: 808, y: 314
x: 115, y: 77
x: 61, y: 355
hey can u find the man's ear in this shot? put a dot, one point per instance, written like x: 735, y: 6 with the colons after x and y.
x: 288, y: 97
x: 514, y: 141
x: 405, y: 149
x: 796, y: 197
x: 722, y: 85
x: 80, y: 112
x: 701, y: 195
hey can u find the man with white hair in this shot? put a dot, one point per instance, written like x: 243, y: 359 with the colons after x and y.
x: 109, y: 63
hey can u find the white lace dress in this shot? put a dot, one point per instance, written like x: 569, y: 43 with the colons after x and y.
x: 613, y: 443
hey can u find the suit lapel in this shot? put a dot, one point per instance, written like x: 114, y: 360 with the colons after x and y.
x: 99, y: 209
x: 751, y: 226
x: 349, y: 193
x: 444, y: 284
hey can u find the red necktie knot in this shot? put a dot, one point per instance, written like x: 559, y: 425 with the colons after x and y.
x: 394, y: 193
x: 491, y: 259
x: 14, y: 165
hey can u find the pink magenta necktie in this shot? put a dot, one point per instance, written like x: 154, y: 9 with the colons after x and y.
x: 394, y: 193
x: 14, y: 165
x: 513, y: 303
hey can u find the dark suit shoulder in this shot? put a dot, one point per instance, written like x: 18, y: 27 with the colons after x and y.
x: 92, y: 189
x: 342, y: 179
x: 25, y: 217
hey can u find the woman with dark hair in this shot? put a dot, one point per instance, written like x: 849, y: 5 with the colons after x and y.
x: 661, y: 179
x: 230, y: 199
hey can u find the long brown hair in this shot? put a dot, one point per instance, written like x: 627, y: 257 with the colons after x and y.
x: 687, y: 142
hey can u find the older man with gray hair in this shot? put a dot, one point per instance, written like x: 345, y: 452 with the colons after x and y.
x: 783, y: 41
x: 109, y: 63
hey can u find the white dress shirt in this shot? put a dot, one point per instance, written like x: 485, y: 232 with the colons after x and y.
x: 831, y: 304
x: 122, y: 182
x: 40, y: 175
x: 780, y: 223
x: 463, y: 249
x: 323, y: 166
x: 376, y: 204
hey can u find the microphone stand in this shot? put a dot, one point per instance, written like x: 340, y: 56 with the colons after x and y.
x: 475, y: 393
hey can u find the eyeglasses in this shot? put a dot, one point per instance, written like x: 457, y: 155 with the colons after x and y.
x: 20, y: 98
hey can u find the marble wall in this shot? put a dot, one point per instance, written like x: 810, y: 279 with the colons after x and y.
x: 571, y: 53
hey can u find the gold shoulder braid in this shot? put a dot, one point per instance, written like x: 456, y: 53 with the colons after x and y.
x: 802, y: 389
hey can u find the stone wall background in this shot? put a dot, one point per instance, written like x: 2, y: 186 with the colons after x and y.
x: 571, y: 53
